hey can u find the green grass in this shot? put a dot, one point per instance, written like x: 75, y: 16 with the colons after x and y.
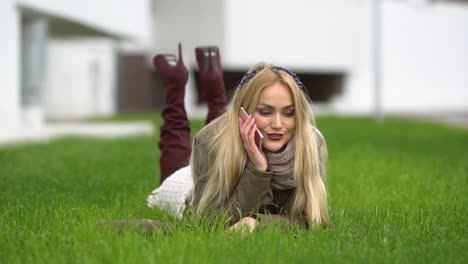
x: 397, y: 193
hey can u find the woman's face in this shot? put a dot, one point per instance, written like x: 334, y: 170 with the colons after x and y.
x: 275, y: 117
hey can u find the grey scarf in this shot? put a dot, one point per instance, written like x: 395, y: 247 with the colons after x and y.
x: 282, y: 165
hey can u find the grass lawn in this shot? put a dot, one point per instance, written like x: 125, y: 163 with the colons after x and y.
x: 397, y: 192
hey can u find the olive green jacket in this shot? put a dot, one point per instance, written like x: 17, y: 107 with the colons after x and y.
x: 250, y: 192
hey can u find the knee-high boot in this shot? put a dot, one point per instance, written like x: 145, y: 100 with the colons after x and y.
x: 174, y: 145
x: 211, y: 76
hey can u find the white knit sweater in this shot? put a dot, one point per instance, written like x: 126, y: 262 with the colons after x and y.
x: 173, y: 192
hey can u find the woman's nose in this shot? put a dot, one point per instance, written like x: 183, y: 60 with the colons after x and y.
x: 277, y: 123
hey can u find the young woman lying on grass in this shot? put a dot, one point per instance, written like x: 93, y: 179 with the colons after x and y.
x: 280, y: 179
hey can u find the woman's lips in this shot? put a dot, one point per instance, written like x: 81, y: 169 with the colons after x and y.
x: 275, y: 136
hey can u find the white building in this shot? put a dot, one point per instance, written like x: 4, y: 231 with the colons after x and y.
x: 423, y: 46
x: 58, y: 57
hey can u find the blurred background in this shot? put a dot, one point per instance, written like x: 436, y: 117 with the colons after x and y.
x: 69, y: 60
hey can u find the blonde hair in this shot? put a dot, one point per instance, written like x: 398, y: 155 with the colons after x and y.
x: 227, y: 156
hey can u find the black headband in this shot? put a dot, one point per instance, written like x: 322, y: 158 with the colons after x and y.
x: 252, y: 73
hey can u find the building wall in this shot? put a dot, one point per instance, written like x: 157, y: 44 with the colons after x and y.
x: 300, y: 33
x: 109, y: 16
x: 310, y: 36
x: 122, y: 17
x: 313, y: 36
x: 80, y: 79
x: 425, y: 57
x: 9, y: 67
x: 424, y: 48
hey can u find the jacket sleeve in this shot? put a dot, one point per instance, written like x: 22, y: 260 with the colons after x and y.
x: 250, y: 191
x: 249, y: 194
x: 323, y: 153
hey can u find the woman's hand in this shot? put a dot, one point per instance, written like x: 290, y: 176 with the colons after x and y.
x: 247, y: 131
x: 245, y: 224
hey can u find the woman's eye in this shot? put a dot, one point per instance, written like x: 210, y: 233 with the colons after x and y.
x: 264, y: 113
x: 290, y: 113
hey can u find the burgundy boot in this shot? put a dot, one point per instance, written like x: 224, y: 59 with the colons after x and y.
x: 174, y: 145
x: 211, y: 78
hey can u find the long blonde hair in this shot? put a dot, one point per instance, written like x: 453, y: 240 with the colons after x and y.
x: 227, y: 156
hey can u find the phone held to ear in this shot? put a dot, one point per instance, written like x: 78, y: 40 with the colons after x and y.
x: 258, y: 136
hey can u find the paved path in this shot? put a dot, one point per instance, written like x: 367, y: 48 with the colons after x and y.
x: 456, y: 120
x: 99, y: 130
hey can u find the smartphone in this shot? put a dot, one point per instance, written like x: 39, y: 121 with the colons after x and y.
x: 258, y: 135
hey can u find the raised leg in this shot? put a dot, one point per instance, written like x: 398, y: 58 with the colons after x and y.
x: 174, y: 145
x: 211, y: 76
